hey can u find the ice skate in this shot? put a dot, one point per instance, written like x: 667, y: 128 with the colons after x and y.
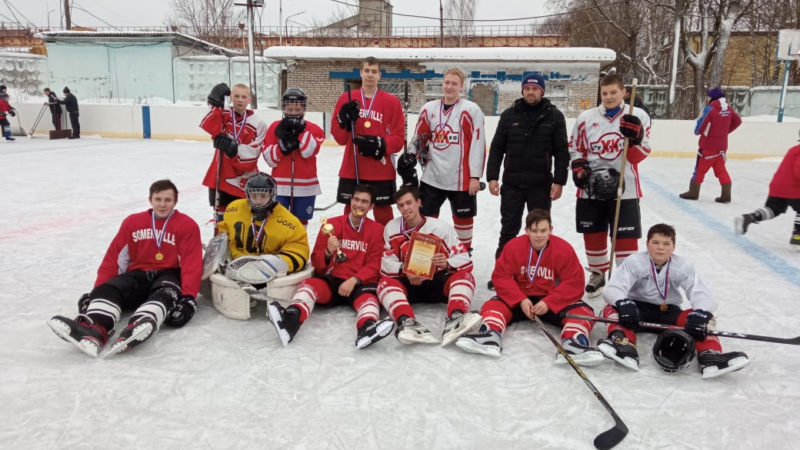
x: 133, y: 334
x: 409, y: 331
x: 285, y: 320
x: 372, y: 332
x: 597, y: 280
x: 714, y: 364
x: 795, y: 239
x: 459, y: 324
x: 581, y: 352
x: 620, y: 349
x: 740, y: 223
x: 80, y: 332
x: 485, y: 342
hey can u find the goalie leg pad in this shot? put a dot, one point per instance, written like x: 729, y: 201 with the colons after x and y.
x: 229, y: 298
x: 256, y: 269
x: 215, y: 252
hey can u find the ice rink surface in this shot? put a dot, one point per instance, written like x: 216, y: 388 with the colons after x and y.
x: 221, y: 383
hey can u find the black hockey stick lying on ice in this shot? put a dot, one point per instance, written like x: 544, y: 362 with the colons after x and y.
x: 730, y: 334
x: 325, y: 208
x: 615, y: 434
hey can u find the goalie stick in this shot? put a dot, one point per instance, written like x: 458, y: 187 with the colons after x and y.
x: 613, y: 435
x: 729, y: 334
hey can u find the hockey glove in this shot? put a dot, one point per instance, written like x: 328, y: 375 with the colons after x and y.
x: 348, y: 114
x: 290, y: 127
x: 628, y: 313
x: 581, y: 173
x: 182, y: 311
x: 406, y: 169
x: 288, y: 145
x: 217, y: 95
x: 631, y: 127
x: 83, y: 303
x: 697, y: 324
x: 12, y: 112
x: 371, y: 146
x: 226, y: 145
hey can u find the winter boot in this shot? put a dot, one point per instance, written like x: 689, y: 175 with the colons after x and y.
x: 459, y: 324
x: 597, y: 280
x: 714, y: 364
x: 372, y: 332
x: 135, y: 333
x: 725, y: 197
x: 620, y: 349
x: 285, y: 320
x: 409, y: 331
x: 485, y: 342
x: 580, y: 351
x: 81, y: 332
x: 693, y: 193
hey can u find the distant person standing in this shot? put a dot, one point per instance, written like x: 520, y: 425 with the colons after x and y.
x: 71, y: 103
x: 55, y: 107
x: 6, y: 110
x: 716, y: 122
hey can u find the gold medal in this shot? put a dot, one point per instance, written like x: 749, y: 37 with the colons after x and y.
x: 663, y: 307
x: 159, y: 256
x: 367, y: 124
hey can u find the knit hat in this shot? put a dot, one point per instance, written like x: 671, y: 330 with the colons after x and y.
x: 66, y: 90
x: 716, y: 93
x: 533, y: 79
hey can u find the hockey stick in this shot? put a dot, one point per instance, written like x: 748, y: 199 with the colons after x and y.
x: 291, y: 188
x: 219, y: 174
x: 325, y: 208
x: 353, y: 137
x: 615, y: 434
x: 621, y: 184
x: 729, y: 334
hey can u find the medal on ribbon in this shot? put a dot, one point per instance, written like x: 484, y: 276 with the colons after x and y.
x: 158, y: 236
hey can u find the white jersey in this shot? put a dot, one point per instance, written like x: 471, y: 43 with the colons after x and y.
x: 453, y: 143
x: 637, y: 279
x: 596, y: 138
x: 396, y: 238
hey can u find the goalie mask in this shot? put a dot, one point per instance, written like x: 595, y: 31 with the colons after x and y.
x: 674, y: 350
x: 293, y: 103
x: 261, y: 190
x: 603, y: 184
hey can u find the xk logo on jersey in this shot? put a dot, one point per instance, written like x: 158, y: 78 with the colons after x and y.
x: 609, y: 146
x: 443, y: 137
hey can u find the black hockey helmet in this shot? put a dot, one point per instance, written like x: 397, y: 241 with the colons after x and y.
x: 603, y: 184
x: 261, y: 183
x: 674, y: 350
x: 294, y: 95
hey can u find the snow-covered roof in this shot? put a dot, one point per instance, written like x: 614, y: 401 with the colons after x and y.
x: 445, y: 54
x: 159, y: 36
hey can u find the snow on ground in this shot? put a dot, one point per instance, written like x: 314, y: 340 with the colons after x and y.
x: 221, y: 383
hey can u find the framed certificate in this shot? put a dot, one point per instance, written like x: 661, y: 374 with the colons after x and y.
x: 419, y: 258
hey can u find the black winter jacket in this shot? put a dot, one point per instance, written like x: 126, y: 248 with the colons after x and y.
x: 530, y: 138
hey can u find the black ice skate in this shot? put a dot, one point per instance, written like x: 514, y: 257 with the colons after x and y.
x: 740, y: 223
x: 597, y: 280
x: 620, y: 349
x: 409, y: 331
x: 581, y: 352
x: 81, y: 332
x: 285, y: 320
x: 134, y: 334
x: 714, y: 364
x: 485, y: 342
x: 372, y: 332
x: 458, y: 325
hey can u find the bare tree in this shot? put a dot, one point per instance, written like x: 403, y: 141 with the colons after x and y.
x: 215, y: 21
x: 461, y: 13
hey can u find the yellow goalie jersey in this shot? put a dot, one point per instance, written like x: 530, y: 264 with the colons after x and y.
x: 281, y: 235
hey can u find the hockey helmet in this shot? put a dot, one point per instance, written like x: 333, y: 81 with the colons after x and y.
x: 674, y: 350
x: 261, y: 205
x: 603, y: 184
x: 296, y: 96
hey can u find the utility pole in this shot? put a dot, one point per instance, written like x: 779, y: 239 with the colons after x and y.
x: 441, y: 24
x: 251, y: 5
x: 67, y: 15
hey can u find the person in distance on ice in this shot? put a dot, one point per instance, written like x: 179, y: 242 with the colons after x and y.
x: 450, y: 142
x: 647, y: 287
x: 70, y: 103
x: 55, y: 107
x: 6, y: 110
x: 596, y: 147
x: 451, y: 271
x: 784, y: 191
x: 152, y: 266
x: 346, y: 260
x: 291, y: 148
x: 239, y: 134
x: 371, y: 125
x: 537, y: 273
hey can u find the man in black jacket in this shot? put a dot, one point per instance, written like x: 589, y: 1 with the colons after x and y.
x: 71, y: 103
x: 55, y: 107
x: 532, y: 137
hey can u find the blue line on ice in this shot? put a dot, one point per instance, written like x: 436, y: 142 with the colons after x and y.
x: 766, y: 257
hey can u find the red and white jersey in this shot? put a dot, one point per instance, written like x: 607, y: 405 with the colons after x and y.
x: 456, y: 144
x: 135, y: 248
x: 300, y: 166
x: 637, y: 279
x: 554, y: 273
x: 362, y: 245
x: 381, y: 116
x: 596, y: 138
x: 249, y: 131
x: 396, y: 237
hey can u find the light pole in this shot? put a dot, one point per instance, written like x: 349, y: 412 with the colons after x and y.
x: 286, y: 22
x: 48, y: 18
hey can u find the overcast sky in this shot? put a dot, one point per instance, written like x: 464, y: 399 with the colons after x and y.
x: 155, y: 12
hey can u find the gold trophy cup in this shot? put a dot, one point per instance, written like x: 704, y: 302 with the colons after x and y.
x: 327, y: 229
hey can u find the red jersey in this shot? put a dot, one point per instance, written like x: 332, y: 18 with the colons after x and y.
x: 249, y: 131
x: 385, y: 117
x: 134, y: 248
x: 786, y: 181
x: 5, y: 107
x: 555, y: 274
x: 299, y: 168
x: 363, y: 247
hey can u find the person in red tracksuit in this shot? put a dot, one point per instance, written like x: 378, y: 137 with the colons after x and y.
x: 346, y: 260
x: 379, y: 133
x: 717, y: 121
x: 539, y: 274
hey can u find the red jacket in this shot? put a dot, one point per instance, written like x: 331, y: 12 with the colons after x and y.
x: 714, y: 125
x: 299, y: 168
x: 786, y: 181
x: 5, y: 107
x: 363, y: 249
x: 134, y: 248
x: 559, y: 279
